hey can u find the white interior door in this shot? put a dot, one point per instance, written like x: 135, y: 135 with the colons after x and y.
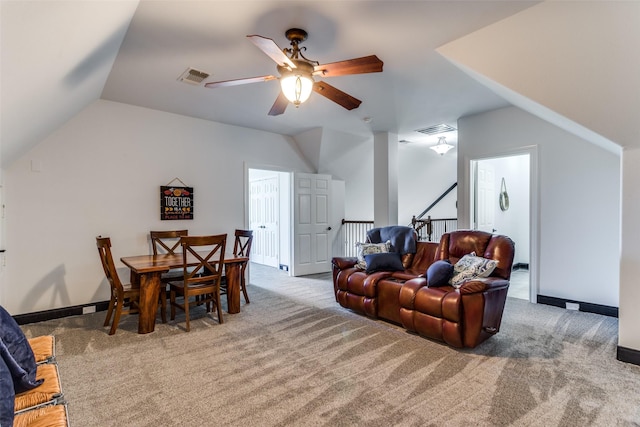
x: 263, y: 220
x: 311, y: 224
x: 486, y: 200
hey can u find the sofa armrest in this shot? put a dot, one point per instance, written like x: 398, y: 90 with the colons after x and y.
x: 473, y: 286
x: 344, y: 262
x: 409, y: 290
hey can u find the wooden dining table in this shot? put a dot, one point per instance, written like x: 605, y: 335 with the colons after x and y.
x: 147, y: 269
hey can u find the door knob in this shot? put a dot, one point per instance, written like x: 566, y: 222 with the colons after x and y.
x: 328, y: 228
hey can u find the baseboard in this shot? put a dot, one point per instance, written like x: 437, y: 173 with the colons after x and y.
x: 628, y: 355
x: 520, y: 266
x: 582, y: 306
x: 57, y: 313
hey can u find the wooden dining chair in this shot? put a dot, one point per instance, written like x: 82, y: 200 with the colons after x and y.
x: 241, y: 248
x: 167, y: 242
x: 201, y: 275
x: 121, y: 294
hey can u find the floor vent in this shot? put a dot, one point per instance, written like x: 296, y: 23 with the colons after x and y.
x: 193, y: 76
x: 436, y: 129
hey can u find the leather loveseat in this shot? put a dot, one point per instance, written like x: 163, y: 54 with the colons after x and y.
x: 461, y: 317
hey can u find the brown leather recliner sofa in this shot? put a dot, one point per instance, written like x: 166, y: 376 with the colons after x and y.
x: 461, y: 317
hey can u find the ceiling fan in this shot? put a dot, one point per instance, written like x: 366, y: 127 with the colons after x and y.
x: 297, y: 72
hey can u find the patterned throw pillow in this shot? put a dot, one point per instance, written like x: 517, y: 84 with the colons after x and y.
x: 370, y: 248
x: 471, y: 266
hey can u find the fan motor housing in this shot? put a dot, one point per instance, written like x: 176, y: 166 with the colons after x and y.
x: 302, y: 67
x: 296, y: 35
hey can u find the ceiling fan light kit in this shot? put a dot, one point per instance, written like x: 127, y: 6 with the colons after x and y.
x: 296, y: 73
x: 297, y: 88
x: 297, y: 83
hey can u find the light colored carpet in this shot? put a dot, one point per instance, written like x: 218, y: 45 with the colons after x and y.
x: 295, y: 357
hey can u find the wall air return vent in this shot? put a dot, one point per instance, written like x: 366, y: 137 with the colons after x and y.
x: 193, y: 76
x: 436, y: 129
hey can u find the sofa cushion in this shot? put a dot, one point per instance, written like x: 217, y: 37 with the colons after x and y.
x: 439, y: 273
x: 370, y: 248
x: 407, y: 260
x: 471, y: 266
x: 384, y: 261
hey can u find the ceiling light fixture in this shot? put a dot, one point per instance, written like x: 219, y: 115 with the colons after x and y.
x: 441, y: 147
x: 297, y: 86
x: 297, y: 83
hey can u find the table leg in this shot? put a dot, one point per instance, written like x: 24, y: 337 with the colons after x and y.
x: 233, y: 271
x: 134, y: 279
x: 148, y: 305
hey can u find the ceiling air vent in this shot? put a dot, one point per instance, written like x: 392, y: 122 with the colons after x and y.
x: 436, y: 129
x: 193, y: 76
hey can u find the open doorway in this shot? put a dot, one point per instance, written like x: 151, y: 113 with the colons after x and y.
x: 501, y: 203
x: 294, y: 227
x: 269, y: 217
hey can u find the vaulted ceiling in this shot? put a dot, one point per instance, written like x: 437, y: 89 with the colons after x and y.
x: 60, y: 56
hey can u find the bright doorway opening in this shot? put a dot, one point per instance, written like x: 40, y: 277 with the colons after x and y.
x: 501, y: 203
x: 269, y: 217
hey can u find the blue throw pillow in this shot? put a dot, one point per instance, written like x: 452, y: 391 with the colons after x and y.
x: 7, y: 394
x: 17, y: 354
x: 439, y: 273
x: 387, y: 261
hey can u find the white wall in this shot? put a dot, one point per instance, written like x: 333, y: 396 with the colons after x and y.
x: 347, y: 158
x: 578, y: 206
x: 573, y: 63
x: 101, y: 174
x: 385, y: 179
x: 630, y: 256
x: 422, y: 177
x: 337, y: 215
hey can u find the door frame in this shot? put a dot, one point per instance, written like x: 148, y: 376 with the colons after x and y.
x: 466, y: 194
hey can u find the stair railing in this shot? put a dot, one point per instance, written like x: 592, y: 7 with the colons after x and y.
x: 352, y: 232
x: 432, y: 229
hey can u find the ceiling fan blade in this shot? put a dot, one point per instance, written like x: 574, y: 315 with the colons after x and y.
x: 279, y: 106
x: 272, y: 50
x: 236, y: 82
x: 336, y: 95
x: 366, y: 64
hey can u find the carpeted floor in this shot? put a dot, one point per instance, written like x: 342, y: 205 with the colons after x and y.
x: 294, y: 357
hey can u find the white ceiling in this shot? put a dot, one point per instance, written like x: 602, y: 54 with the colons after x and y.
x: 60, y: 56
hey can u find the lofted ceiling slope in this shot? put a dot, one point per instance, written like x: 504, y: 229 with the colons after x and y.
x: 574, y: 64
x: 60, y: 56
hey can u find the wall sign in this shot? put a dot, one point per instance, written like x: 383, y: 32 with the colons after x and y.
x: 176, y: 202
